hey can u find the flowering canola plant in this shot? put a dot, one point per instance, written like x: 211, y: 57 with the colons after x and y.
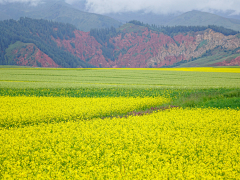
x: 179, y: 143
x: 19, y: 111
x: 196, y: 69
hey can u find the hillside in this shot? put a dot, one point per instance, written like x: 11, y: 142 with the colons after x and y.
x: 28, y: 54
x: 76, y: 13
x: 32, y: 42
x: 198, y: 18
x: 214, y: 57
x: 29, y: 42
x: 59, y: 11
x: 227, y: 19
x: 141, y: 46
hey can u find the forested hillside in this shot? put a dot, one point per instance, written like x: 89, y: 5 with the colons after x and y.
x: 30, y: 42
x: 173, y: 30
x: 41, y: 34
x: 141, y: 45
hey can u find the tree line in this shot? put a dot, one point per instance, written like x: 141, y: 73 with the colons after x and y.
x: 173, y: 30
x: 102, y: 36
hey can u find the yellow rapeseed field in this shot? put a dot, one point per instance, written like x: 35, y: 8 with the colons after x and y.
x: 19, y: 111
x: 179, y: 143
x: 196, y: 69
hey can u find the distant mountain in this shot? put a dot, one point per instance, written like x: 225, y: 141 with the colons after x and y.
x: 123, y: 17
x: 227, y: 14
x: 193, y: 18
x: 4, y: 16
x: 147, y: 18
x: 80, y: 5
x: 75, y: 13
x: 31, y: 42
x: 57, y: 11
x: 198, y: 18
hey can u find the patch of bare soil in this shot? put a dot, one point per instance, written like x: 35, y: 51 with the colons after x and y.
x: 147, y: 111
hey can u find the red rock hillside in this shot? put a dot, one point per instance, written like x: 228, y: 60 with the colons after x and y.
x: 85, y: 47
x: 147, y: 48
x: 30, y: 55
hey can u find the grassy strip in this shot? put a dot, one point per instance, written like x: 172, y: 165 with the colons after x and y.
x: 173, y: 93
x: 215, y: 98
x: 228, y: 98
x: 211, y: 97
x: 94, y: 92
x: 204, y: 99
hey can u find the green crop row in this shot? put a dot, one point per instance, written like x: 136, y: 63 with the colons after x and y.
x: 211, y: 97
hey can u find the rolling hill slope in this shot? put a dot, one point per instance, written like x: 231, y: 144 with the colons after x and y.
x: 30, y: 42
x: 197, y: 18
x: 33, y: 42
x: 59, y: 11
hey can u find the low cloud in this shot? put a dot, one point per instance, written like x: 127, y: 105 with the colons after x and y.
x: 155, y: 6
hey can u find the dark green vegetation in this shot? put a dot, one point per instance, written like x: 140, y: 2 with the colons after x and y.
x: 213, y: 97
x: 173, y: 30
x: 59, y: 11
x: 102, y: 36
x: 218, y: 98
x: 99, y: 84
x: 91, y: 92
x: 40, y: 33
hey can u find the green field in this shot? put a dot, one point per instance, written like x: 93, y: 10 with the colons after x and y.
x: 105, y: 78
x: 186, y: 88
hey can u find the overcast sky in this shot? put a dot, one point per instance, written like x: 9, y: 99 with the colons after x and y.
x: 33, y: 2
x: 156, y: 6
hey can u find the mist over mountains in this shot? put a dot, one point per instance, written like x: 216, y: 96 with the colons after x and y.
x: 58, y: 11
x: 88, y: 14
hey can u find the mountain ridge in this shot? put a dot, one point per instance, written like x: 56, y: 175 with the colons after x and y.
x: 76, y: 14
x: 198, y: 18
x: 134, y: 45
x: 58, y: 11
